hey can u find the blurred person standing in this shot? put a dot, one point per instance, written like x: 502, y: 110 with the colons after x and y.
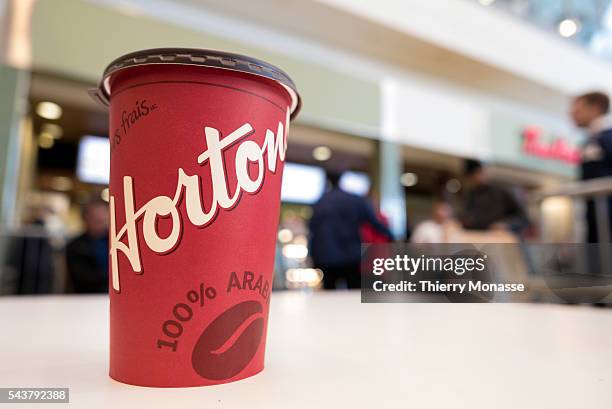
x: 87, y: 254
x: 335, y: 241
x: 30, y: 261
x: 369, y: 234
x: 590, y: 112
x: 488, y: 206
x: 438, y: 227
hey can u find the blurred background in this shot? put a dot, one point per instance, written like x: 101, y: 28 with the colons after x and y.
x: 450, y: 119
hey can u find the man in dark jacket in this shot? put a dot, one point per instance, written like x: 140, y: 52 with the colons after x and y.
x: 589, y: 111
x: 335, y: 241
x: 488, y: 206
x: 87, y: 255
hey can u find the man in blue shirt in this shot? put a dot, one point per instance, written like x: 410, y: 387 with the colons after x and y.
x: 335, y: 241
x: 590, y: 111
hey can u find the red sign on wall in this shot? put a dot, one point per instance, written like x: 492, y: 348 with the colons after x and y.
x: 558, y: 149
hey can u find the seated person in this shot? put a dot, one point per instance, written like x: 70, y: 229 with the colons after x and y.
x: 87, y: 254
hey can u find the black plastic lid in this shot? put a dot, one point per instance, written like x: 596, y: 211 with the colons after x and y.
x: 200, y: 57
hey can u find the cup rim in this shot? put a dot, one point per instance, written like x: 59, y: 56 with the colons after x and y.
x: 198, y: 57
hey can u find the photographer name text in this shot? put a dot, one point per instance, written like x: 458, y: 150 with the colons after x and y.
x: 437, y: 286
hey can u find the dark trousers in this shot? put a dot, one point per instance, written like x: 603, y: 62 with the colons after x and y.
x: 591, y: 216
x: 334, y: 276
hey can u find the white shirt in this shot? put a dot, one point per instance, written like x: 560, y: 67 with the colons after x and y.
x: 600, y: 124
x: 428, y: 232
x: 591, y: 150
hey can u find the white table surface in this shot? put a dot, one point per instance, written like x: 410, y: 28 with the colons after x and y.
x: 326, y: 350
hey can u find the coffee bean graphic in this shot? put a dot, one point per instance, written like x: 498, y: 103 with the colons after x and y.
x: 213, y: 358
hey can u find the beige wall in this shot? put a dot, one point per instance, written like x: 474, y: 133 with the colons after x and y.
x: 79, y: 39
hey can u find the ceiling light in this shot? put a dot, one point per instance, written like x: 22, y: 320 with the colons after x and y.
x: 49, y: 110
x: 298, y: 251
x: 321, y: 153
x: 486, y: 2
x: 285, y: 235
x: 303, y: 277
x: 54, y: 130
x: 61, y: 183
x: 453, y: 185
x: 409, y: 179
x: 45, y: 141
x: 105, y: 194
x: 568, y: 27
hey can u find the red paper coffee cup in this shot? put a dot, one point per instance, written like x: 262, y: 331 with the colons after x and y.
x: 198, y: 141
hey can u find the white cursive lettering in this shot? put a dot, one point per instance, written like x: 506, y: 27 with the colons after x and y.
x: 188, y: 188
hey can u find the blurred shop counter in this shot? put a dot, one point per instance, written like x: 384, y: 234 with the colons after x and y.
x: 325, y: 349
